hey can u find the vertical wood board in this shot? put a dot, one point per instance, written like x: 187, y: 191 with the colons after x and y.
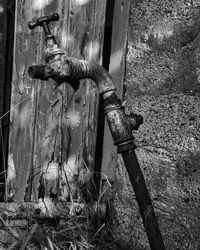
x: 3, y: 37
x: 116, y: 70
x: 53, y: 130
x: 3, y: 32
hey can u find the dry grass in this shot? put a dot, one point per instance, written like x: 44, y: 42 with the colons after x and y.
x: 88, y: 227
x: 80, y: 232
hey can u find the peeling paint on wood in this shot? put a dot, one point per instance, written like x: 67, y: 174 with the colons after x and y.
x: 53, y: 130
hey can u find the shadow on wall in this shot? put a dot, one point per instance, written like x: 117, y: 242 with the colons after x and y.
x: 163, y: 53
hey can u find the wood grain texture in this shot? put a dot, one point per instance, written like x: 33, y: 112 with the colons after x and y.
x: 53, y: 131
x: 3, y: 37
x: 116, y: 70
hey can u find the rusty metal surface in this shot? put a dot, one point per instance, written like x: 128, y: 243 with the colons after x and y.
x: 65, y: 69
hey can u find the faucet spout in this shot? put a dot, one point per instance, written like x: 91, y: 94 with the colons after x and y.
x: 39, y: 72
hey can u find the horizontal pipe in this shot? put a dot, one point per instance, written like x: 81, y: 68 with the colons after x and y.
x: 66, y: 69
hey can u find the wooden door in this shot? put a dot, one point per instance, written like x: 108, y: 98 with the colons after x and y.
x: 53, y: 130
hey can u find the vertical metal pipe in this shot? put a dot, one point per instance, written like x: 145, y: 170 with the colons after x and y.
x: 143, y: 199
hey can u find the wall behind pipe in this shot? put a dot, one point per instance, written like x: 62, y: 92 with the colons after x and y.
x: 162, y: 82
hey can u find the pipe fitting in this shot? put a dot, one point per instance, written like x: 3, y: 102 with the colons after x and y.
x: 136, y: 120
x: 66, y: 69
x: 120, y: 125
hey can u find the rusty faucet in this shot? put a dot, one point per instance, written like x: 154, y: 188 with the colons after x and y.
x: 64, y: 69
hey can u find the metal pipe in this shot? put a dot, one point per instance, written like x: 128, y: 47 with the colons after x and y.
x: 143, y: 199
x: 67, y: 69
x: 64, y: 69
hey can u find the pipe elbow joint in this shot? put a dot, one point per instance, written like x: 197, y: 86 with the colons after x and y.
x: 70, y: 70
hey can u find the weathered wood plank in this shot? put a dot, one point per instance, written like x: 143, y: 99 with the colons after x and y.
x: 116, y: 69
x: 23, y: 105
x: 17, y: 218
x: 3, y: 33
x: 8, y: 43
x: 3, y: 36
x: 53, y: 134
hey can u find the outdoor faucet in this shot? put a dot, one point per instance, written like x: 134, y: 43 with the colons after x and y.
x: 64, y: 69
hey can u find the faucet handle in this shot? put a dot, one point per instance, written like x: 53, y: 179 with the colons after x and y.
x: 44, y: 21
